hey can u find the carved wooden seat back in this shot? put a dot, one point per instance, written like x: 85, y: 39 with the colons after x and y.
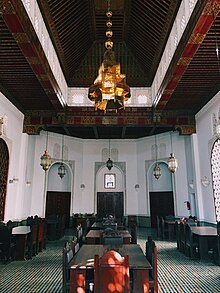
x: 111, y: 273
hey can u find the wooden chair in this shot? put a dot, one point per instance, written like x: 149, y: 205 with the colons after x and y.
x: 216, y: 253
x: 79, y: 231
x: 177, y: 233
x: 134, y: 234
x: 164, y: 229
x: 111, y: 237
x: 182, y: 242
x: 111, y: 273
x: 75, y: 245
x: 158, y: 227
x: 40, y: 239
x: 44, y: 233
x: 132, y: 220
x: 151, y: 255
x: 8, y: 244
x: 191, y: 222
x: 67, y: 257
x: 32, y: 240
x: 191, y: 246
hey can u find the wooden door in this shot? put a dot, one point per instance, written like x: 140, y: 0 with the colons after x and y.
x: 4, y: 164
x: 58, y: 203
x: 161, y: 204
x: 110, y: 203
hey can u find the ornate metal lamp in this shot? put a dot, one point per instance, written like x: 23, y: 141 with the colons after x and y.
x: 61, y: 169
x: 109, y: 163
x: 109, y: 91
x: 45, y: 158
x: 172, y: 161
x: 157, y: 171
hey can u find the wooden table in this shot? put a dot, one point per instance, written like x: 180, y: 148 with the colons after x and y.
x: 94, y: 236
x: 21, y: 233
x: 206, y: 236
x: 171, y: 228
x: 84, y: 260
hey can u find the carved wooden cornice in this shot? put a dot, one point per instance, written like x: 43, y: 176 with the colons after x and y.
x: 86, y: 116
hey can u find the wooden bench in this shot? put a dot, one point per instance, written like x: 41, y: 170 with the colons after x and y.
x: 151, y: 255
x: 68, y: 254
x: 8, y: 245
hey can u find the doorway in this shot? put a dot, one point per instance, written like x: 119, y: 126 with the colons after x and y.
x: 58, y: 203
x: 4, y: 163
x: 161, y: 204
x: 110, y: 203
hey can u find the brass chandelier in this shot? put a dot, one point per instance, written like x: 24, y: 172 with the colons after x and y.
x: 109, y: 91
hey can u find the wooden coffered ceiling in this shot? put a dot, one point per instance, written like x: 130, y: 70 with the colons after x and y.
x: 140, y: 32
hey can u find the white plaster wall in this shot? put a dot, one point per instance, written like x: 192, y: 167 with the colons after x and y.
x: 25, y: 151
x: 176, y: 182
x: 13, y: 124
x: 202, y: 154
x: 133, y: 153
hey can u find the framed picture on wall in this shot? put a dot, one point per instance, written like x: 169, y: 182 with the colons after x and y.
x: 109, y: 180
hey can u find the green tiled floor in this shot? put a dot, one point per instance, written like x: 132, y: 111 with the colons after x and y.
x: 176, y: 272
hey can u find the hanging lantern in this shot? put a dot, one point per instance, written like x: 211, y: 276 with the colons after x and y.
x: 109, y: 92
x: 45, y: 158
x: 61, y: 170
x: 172, y: 163
x: 109, y: 164
x: 157, y: 171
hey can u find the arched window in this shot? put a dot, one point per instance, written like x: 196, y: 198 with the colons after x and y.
x: 4, y: 161
x: 215, y: 165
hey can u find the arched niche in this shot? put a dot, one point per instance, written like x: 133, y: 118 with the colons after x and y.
x: 119, y: 169
x: 55, y: 183
x: 165, y: 184
x: 61, y: 189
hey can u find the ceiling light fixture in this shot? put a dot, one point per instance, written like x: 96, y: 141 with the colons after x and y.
x: 45, y: 158
x: 157, y: 171
x: 172, y: 161
x: 61, y: 169
x: 109, y: 91
x: 109, y: 163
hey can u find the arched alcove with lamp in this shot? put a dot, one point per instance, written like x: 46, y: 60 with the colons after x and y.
x: 59, y: 191
x: 110, y: 190
x: 160, y: 192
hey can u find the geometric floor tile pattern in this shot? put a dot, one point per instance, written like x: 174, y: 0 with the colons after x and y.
x: 176, y: 272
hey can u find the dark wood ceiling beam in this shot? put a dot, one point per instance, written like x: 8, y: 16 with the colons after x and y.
x: 199, y: 25
x: 123, y: 132
x: 18, y: 22
x: 95, y: 130
x: 152, y: 130
x: 67, y: 130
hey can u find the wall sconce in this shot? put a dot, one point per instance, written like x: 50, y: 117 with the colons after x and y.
x: 205, y: 181
x: 13, y: 180
x: 1, y: 125
x: 136, y: 187
x: 82, y: 186
x: 28, y: 183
